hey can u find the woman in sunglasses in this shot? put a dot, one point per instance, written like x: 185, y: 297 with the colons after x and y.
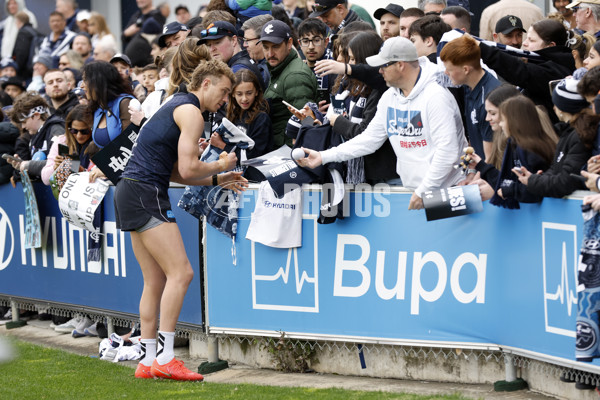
x: 77, y: 138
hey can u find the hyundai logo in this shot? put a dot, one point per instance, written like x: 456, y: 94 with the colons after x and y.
x: 7, y: 240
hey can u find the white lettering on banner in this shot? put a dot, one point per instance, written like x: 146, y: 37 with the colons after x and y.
x: 418, y: 293
x: 113, y: 253
x: 119, y: 163
x: 8, y: 237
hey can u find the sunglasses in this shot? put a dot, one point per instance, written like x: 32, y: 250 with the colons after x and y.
x: 215, y: 31
x: 84, y: 132
x: 320, y: 8
x: 388, y: 64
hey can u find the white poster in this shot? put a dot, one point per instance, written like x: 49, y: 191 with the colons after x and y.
x: 79, y: 199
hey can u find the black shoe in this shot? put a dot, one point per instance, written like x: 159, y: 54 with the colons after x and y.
x: 584, y: 386
x: 565, y: 377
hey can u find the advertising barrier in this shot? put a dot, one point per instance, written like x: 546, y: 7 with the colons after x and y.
x: 385, y: 275
x: 59, y: 271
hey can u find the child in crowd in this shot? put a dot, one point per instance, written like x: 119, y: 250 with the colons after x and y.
x: 149, y: 75
x: 248, y: 110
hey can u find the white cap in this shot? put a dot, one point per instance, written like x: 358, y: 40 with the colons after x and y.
x: 394, y: 49
x: 83, y: 15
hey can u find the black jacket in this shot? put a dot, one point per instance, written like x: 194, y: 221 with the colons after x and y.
x: 22, y: 51
x: 555, y: 62
x: 571, y: 155
x: 64, y: 108
x: 381, y: 165
x: 8, y: 137
x: 42, y: 141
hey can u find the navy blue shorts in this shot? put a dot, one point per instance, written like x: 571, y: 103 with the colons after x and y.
x: 137, y: 202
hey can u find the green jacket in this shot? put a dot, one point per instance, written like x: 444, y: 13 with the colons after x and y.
x: 294, y: 82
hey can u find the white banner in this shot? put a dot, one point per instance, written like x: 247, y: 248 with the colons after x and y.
x: 79, y: 199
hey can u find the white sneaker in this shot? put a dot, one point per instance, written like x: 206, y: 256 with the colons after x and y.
x: 68, y: 326
x: 8, y: 315
x: 79, y: 330
x: 91, y: 330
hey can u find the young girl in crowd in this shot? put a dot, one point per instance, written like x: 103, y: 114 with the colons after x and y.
x: 577, y: 133
x: 248, y: 110
x: 77, y: 137
x: 530, y: 143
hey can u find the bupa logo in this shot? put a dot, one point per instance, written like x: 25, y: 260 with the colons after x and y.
x: 7, y: 240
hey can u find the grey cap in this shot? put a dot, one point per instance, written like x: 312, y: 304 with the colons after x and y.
x: 394, y: 49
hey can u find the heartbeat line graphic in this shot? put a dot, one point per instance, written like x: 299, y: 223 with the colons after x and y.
x: 284, y: 273
x: 562, y: 290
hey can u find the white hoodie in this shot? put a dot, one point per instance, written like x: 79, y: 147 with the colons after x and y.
x: 425, y: 130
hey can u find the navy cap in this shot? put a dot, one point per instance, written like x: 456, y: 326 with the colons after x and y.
x: 14, y: 81
x: 121, y: 57
x: 9, y: 63
x: 323, y: 6
x: 275, y: 32
x: 217, y: 30
x: 151, y: 27
x: 171, y: 29
x: 391, y: 8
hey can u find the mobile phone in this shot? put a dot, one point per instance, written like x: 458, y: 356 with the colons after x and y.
x: 290, y: 106
x: 63, y: 150
x: 8, y: 157
x: 580, y: 177
x: 553, y: 84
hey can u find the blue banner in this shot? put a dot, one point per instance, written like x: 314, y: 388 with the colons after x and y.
x: 500, y: 277
x: 59, y: 271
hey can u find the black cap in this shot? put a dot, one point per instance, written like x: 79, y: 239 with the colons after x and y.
x: 322, y: 6
x: 217, y: 30
x: 391, y: 8
x: 171, y: 29
x: 14, y: 81
x: 275, y: 32
x: 509, y: 23
x: 181, y: 7
x: 121, y: 57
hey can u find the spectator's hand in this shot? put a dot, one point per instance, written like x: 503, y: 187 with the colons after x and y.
x: 15, y: 163
x: 58, y: 160
x: 416, y: 203
x: 591, y: 182
x: 312, y: 161
x: 23, y: 165
x: 327, y: 67
x: 13, y: 182
x: 323, y: 106
x: 136, y: 116
x: 475, y: 158
x: 233, y: 180
x: 202, y: 145
x: 217, y: 141
x: 96, y: 173
x: 485, y: 189
x: 332, y: 119
x: 500, y: 193
x: 593, y: 164
x: 469, y: 179
x: 593, y: 200
x: 523, y: 174
x: 227, y: 161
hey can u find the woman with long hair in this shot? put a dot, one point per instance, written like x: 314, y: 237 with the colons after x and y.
x: 101, y: 34
x: 78, y: 139
x: 108, y: 95
x: 188, y: 57
x: 360, y: 103
x: 531, y: 142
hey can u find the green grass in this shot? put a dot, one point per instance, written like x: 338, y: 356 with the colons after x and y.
x: 44, y: 373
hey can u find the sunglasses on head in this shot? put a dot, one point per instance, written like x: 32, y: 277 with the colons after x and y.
x: 320, y: 8
x: 215, y: 31
x: 84, y: 132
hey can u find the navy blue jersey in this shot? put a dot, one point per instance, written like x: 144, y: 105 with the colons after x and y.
x: 155, y: 151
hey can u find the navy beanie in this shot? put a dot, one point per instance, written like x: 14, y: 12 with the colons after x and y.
x: 566, y: 98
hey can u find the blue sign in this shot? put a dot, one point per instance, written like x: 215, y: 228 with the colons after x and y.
x: 59, y: 271
x: 500, y: 277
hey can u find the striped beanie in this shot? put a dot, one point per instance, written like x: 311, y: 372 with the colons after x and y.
x: 566, y: 98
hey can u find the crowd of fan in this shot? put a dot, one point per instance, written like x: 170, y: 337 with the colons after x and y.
x: 523, y: 92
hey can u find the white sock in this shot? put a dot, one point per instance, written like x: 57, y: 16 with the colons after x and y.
x: 148, y: 351
x: 165, y: 347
